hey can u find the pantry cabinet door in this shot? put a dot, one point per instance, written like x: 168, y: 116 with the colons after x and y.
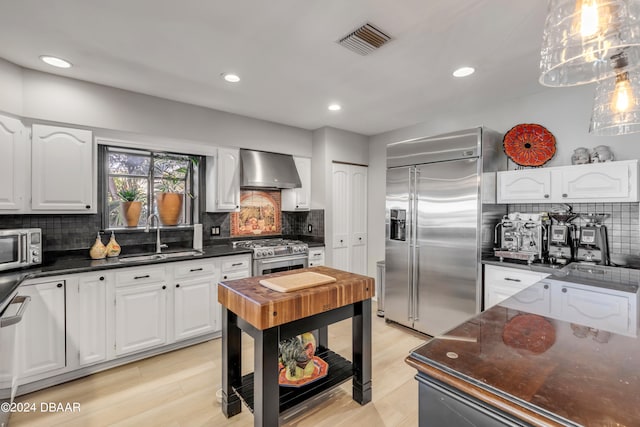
x: 62, y: 165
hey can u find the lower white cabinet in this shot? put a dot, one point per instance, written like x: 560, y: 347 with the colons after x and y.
x: 41, y: 341
x: 91, y: 321
x: 195, y: 301
x: 501, y: 283
x: 316, y: 257
x: 141, y: 317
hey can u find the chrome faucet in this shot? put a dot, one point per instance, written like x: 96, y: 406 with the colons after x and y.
x: 159, y: 245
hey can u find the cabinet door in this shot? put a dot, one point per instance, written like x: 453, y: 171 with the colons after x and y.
x: 358, y: 223
x: 341, y: 216
x: 62, y: 168
x: 299, y: 199
x: 595, y: 308
x: 92, y: 318
x: 228, y: 180
x: 598, y: 182
x: 316, y: 257
x: 535, y: 299
x: 194, y: 311
x: 522, y: 186
x: 41, y: 340
x: 501, y: 283
x: 141, y: 317
x: 13, y: 151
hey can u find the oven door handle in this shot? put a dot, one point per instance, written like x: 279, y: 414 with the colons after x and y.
x: 12, y: 320
x: 281, y: 259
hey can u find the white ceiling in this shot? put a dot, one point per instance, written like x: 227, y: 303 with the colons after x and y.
x: 286, y: 54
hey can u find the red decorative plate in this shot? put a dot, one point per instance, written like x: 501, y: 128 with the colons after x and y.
x: 529, y: 144
x: 320, y: 370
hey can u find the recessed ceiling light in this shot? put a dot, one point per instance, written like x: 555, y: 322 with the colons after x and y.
x: 463, y: 72
x: 56, y: 62
x: 230, y: 77
x: 334, y: 107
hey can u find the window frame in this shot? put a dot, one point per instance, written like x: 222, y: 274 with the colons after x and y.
x: 191, y: 192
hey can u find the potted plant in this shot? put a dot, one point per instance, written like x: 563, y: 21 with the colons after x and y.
x: 131, y: 205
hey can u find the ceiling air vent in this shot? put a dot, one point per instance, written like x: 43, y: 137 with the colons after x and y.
x: 365, y: 39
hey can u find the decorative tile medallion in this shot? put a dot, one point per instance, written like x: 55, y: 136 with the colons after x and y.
x: 259, y: 214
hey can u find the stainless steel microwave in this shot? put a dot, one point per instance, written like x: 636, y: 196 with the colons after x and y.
x: 21, y: 247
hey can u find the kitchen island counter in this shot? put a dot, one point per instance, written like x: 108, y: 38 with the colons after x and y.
x: 516, y: 368
x: 269, y: 317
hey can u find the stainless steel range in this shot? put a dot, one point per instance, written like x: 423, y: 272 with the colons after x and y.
x: 273, y: 255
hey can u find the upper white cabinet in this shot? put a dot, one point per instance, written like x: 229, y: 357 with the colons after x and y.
x: 223, y: 181
x: 62, y: 170
x: 595, y: 182
x: 349, y: 218
x: 13, y: 155
x: 299, y: 199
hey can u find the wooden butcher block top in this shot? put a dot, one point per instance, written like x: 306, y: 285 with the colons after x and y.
x: 265, y: 308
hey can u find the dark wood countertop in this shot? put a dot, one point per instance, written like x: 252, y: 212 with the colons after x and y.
x: 575, y: 381
x: 265, y: 308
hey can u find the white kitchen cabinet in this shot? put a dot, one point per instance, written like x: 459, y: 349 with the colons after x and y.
x: 501, y: 283
x: 600, y: 308
x: 91, y: 305
x: 42, y: 331
x: 235, y: 267
x: 299, y: 199
x: 13, y: 158
x: 141, y: 309
x: 316, y: 257
x: 195, y: 299
x: 534, y: 298
x: 63, y: 170
x: 349, y: 218
x: 223, y: 181
x: 520, y: 186
x: 596, y: 182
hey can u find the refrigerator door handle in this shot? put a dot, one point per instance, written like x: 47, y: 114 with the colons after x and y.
x: 416, y: 280
x: 415, y: 251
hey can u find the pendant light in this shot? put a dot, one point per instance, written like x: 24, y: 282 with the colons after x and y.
x: 616, y: 108
x: 589, y: 40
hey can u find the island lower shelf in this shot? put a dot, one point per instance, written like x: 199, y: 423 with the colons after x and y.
x: 340, y: 370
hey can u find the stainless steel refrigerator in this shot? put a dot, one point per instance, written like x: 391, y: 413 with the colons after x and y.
x: 440, y: 215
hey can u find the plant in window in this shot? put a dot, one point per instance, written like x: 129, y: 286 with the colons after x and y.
x: 172, y: 186
x: 131, y: 205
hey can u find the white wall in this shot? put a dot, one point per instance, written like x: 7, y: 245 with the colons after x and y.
x: 52, y: 98
x: 565, y: 112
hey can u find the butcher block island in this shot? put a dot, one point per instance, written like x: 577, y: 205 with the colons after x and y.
x: 270, y: 317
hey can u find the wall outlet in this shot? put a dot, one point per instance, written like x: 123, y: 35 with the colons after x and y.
x: 310, y: 228
x: 215, y: 230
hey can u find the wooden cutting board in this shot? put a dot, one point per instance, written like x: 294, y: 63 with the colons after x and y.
x: 294, y: 282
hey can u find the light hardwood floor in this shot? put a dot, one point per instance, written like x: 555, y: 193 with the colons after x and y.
x: 178, y: 389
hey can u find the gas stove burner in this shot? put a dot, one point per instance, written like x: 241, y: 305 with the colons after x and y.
x: 268, y: 248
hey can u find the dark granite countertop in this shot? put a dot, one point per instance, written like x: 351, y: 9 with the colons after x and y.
x: 522, y: 265
x: 79, y: 262
x: 543, y: 369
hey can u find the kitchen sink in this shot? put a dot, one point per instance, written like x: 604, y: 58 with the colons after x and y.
x: 155, y: 257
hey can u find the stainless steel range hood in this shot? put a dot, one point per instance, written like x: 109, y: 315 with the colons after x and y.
x: 261, y: 169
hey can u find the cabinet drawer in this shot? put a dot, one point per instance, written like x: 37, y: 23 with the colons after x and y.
x: 519, y: 279
x: 137, y: 276
x: 194, y: 268
x: 236, y: 275
x: 230, y: 265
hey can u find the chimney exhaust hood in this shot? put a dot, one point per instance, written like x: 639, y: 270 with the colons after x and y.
x: 261, y: 169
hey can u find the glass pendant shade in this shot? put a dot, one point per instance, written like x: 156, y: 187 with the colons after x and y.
x: 589, y: 40
x: 616, y: 108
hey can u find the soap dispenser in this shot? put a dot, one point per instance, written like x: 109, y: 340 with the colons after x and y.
x: 113, y: 248
x: 98, y: 250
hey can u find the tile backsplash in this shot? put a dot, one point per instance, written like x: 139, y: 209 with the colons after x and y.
x: 623, y: 231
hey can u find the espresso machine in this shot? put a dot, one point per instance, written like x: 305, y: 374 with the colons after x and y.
x: 522, y: 236
x: 593, y: 246
x: 561, y: 236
